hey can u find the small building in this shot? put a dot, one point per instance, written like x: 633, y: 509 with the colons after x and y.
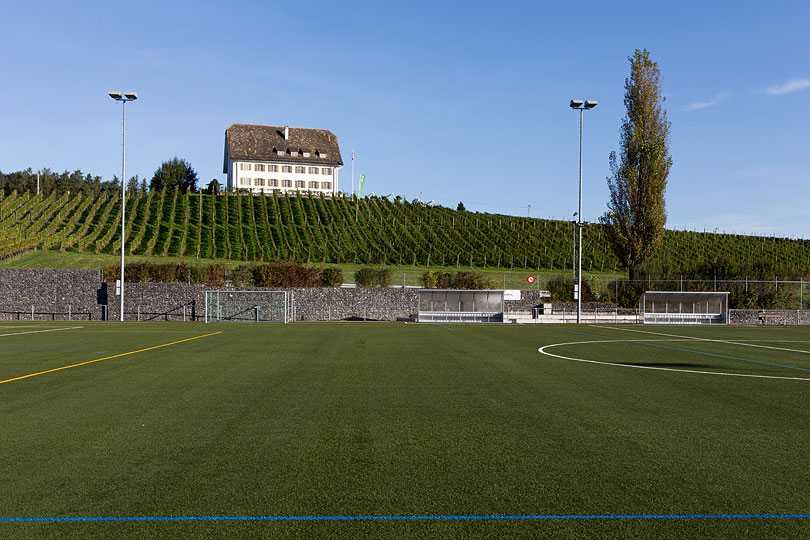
x: 460, y: 305
x: 272, y: 158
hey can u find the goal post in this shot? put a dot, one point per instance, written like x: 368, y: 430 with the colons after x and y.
x: 246, y: 306
x: 672, y: 307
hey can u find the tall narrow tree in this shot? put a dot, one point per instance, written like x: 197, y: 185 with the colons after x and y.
x: 636, y: 212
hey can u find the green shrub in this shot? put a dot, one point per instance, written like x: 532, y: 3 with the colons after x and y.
x: 430, y: 279
x: 373, y: 277
x: 433, y: 279
x: 331, y: 277
x: 562, y: 290
x: 286, y: 274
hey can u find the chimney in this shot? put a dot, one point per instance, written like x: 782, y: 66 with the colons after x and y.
x: 286, y: 133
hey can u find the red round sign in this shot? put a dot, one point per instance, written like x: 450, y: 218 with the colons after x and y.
x: 530, y: 279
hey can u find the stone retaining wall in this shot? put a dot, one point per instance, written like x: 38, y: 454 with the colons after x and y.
x: 59, y: 294
x: 53, y: 294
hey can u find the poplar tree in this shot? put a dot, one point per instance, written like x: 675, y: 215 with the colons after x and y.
x: 636, y: 214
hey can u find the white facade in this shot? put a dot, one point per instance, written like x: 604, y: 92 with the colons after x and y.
x: 267, y: 177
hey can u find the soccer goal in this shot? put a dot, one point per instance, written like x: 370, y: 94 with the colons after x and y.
x: 669, y: 307
x: 246, y: 306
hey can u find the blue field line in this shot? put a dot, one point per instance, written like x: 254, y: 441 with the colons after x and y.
x: 443, y: 326
x: 683, y: 350
x: 494, y: 517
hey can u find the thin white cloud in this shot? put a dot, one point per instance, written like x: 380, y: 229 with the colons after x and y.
x: 719, y: 98
x: 793, y: 85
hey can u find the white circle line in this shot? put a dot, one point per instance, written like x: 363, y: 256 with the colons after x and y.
x: 542, y: 350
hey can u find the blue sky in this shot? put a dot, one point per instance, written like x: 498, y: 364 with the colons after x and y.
x: 461, y: 101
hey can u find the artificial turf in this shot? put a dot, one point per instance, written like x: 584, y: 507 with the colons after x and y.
x: 348, y: 420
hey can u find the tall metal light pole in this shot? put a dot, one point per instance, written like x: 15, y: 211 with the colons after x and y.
x: 581, y: 106
x: 123, y: 97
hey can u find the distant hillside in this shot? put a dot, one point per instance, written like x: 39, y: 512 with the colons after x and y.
x: 261, y: 228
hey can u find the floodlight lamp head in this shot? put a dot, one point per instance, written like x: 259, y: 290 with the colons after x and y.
x: 132, y: 96
x: 576, y: 103
x: 591, y: 103
x: 115, y: 95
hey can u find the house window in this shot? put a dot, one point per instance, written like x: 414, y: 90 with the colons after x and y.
x: 300, y: 183
x: 301, y: 170
x: 286, y: 168
x: 244, y: 166
x: 313, y: 170
x: 326, y: 170
x: 307, y: 154
x: 260, y: 182
x: 280, y: 152
x: 273, y: 168
x: 326, y: 185
x: 323, y: 154
x: 294, y: 153
x: 273, y: 182
x: 286, y: 183
x: 313, y: 185
x: 260, y: 167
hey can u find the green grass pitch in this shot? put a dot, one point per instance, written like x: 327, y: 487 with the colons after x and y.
x: 423, y: 431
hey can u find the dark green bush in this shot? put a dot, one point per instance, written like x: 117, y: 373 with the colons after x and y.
x: 331, y: 277
x: 373, y: 277
x: 433, y: 279
x: 562, y: 290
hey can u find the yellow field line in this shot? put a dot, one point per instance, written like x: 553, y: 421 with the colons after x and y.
x: 108, y: 357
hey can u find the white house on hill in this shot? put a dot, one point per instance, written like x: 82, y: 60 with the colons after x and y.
x: 272, y: 158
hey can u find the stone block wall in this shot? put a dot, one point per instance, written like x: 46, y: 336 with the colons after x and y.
x: 779, y: 317
x: 54, y: 294
x: 59, y: 294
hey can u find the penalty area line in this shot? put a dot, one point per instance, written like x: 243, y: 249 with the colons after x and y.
x: 40, y: 331
x: 108, y: 357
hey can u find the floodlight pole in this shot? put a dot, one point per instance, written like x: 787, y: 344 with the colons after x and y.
x: 123, y: 97
x: 581, y: 107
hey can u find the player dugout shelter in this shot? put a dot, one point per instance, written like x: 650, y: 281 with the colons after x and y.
x: 454, y: 305
x: 670, y: 307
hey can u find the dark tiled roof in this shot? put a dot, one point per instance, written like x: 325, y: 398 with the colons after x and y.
x: 262, y: 143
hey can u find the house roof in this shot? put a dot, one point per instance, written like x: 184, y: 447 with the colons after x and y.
x: 262, y: 143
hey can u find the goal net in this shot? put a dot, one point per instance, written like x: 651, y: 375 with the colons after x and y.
x: 668, y: 307
x: 246, y: 306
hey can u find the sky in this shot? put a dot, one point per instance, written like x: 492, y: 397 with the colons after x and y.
x: 451, y: 101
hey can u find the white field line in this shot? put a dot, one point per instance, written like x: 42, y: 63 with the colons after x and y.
x: 24, y: 326
x: 707, y: 339
x: 41, y: 331
x: 542, y: 350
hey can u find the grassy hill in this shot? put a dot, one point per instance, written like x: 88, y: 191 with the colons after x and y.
x: 373, y: 231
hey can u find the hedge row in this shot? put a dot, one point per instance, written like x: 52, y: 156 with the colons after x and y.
x: 433, y: 279
x: 273, y: 274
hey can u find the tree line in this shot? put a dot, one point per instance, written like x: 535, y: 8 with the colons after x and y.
x: 172, y: 173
